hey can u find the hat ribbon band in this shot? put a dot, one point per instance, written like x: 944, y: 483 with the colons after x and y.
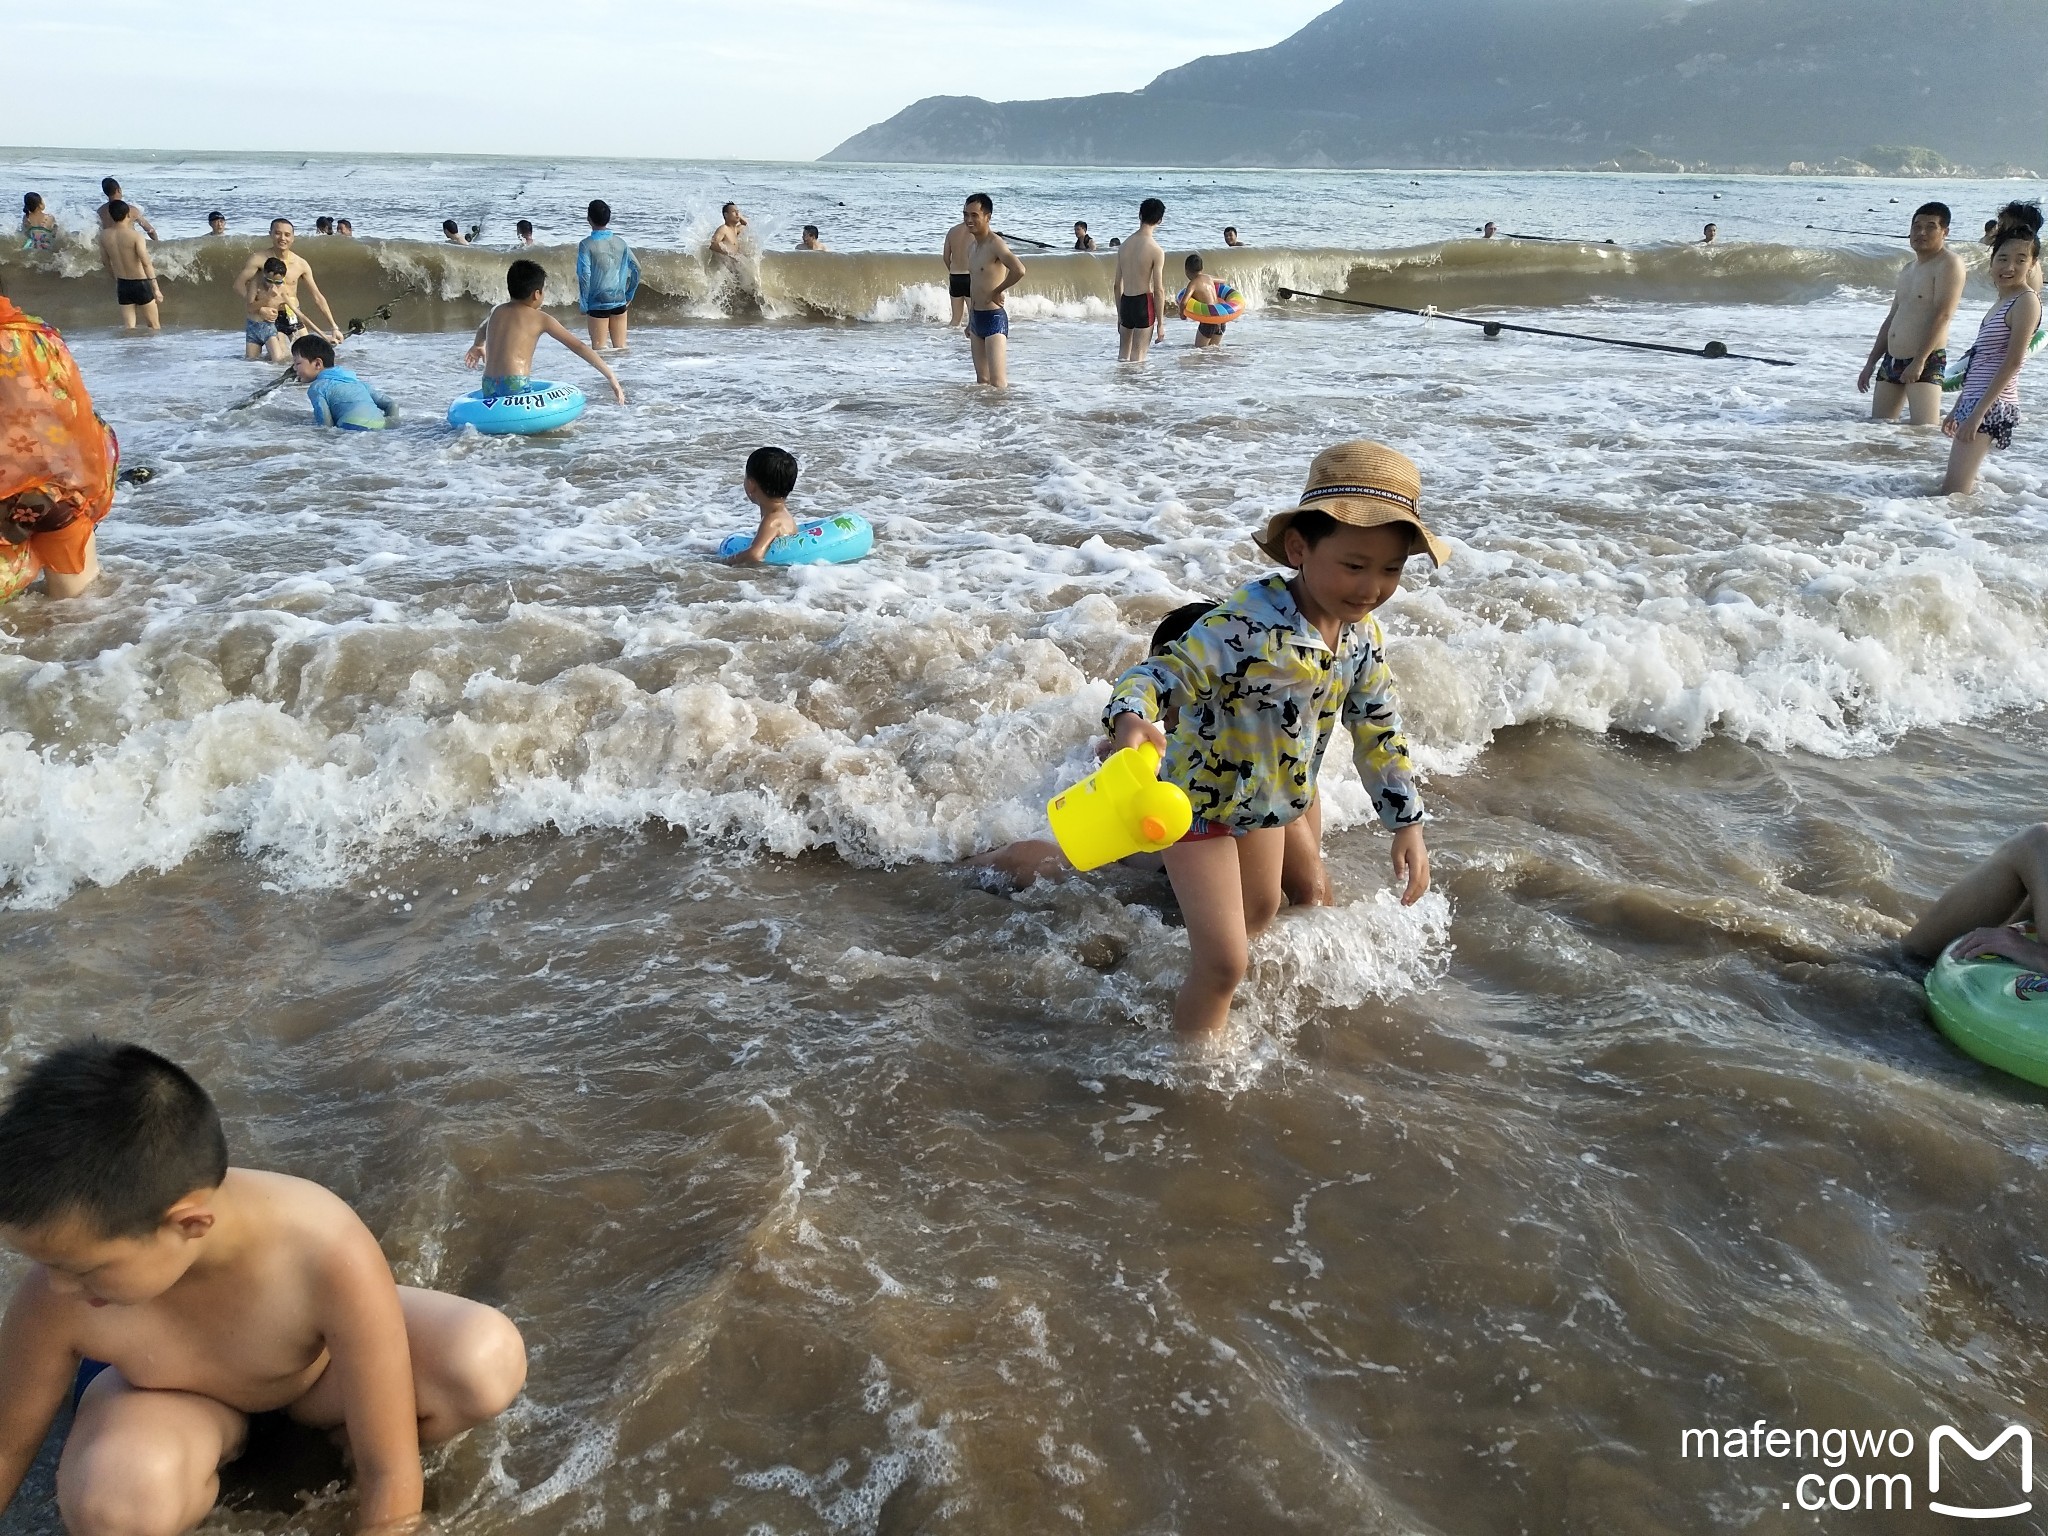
x: 1325, y: 492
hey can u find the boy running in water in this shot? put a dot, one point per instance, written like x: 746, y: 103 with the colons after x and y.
x: 505, y: 341
x: 1259, y: 684
x: 171, y: 1297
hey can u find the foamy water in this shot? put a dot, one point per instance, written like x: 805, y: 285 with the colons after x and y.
x: 590, y: 912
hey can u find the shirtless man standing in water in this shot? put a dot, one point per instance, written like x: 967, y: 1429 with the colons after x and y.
x: 1911, y: 351
x: 296, y: 271
x: 992, y: 271
x: 1141, y: 286
x: 955, y: 252
x: 127, y: 257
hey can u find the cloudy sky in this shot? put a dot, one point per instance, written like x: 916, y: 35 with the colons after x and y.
x: 716, y: 79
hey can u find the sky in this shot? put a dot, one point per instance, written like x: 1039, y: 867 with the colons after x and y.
x: 693, y: 79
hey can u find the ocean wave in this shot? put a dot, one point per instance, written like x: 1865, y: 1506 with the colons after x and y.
x: 442, y: 287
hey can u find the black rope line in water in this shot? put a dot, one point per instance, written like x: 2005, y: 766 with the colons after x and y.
x: 1025, y: 240
x: 1713, y: 349
x: 353, y: 328
x: 1871, y: 233
x: 1506, y: 234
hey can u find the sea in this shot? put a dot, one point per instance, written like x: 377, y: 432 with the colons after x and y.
x: 596, y: 919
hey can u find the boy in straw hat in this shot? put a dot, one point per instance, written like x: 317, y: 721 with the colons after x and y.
x: 1259, y: 683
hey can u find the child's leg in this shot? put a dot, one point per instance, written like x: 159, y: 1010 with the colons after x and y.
x: 1997, y: 891
x: 1964, y: 460
x: 619, y: 330
x: 144, y: 1463
x: 468, y: 1364
x: 1025, y: 863
x: 1228, y: 889
x: 1302, y: 875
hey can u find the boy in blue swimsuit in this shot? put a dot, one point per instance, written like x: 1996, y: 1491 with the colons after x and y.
x: 607, y: 278
x: 505, y: 341
x: 338, y: 397
x: 1259, y: 686
x: 173, y: 1297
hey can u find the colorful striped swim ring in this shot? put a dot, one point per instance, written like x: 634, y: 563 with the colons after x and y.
x: 1229, y: 305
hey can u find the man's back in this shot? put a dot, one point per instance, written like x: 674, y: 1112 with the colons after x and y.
x: 122, y: 247
x: 509, y: 339
x: 1140, y: 264
x: 957, y: 249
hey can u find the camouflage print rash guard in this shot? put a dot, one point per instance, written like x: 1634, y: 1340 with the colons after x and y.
x: 1259, y: 694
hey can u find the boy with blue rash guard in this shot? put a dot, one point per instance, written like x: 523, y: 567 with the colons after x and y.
x: 1259, y: 685
x: 338, y: 397
x: 607, y: 278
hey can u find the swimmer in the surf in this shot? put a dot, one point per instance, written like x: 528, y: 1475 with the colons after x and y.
x: 1910, y: 355
x: 324, y: 225
x: 345, y: 229
x: 1230, y: 235
x: 1083, y: 241
x: 216, y: 223
x: 112, y: 189
x: 771, y: 477
x: 725, y: 240
x: 296, y: 272
x: 268, y: 331
x: 451, y: 233
x: 1201, y: 289
x: 38, y: 227
x: 524, y: 229
x: 1140, y: 286
x: 505, y: 341
x: 812, y: 240
x: 167, y: 1297
x: 1712, y: 233
x: 338, y: 397
x: 1303, y: 879
x: 954, y: 252
x: 127, y: 257
x: 1486, y: 230
x: 992, y: 271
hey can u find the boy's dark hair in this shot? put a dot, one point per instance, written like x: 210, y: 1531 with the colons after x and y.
x: 116, y: 211
x: 811, y: 230
x: 523, y: 279
x: 1991, y: 226
x: 322, y: 224
x: 1194, y: 263
x: 110, y: 187
x: 982, y: 201
x: 316, y: 349
x: 1178, y: 623
x: 1315, y: 527
x: 1939, y: 210
x: 1152, y: 211
x: 274, y: 265
x: 31, y: 201
x: 109, y: 1133
x: 524, y: 227
x: 2016, y: 215
x: 774, y: 470
x: 448, y: 226
x: 1080, y: 223
x: 600, y: 213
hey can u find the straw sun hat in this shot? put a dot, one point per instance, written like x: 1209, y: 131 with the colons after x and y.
x: 1367, y: 485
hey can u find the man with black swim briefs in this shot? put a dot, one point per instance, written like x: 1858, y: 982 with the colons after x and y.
x: 992, y: 271
x: 127, y: 257
x: 1141, y: 286
x: 1910, y: 354
x: 955, y: 252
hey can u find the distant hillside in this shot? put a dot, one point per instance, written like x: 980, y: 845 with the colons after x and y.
x: 1639, y: 83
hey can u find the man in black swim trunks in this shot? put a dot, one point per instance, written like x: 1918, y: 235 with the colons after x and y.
x: 959, y: 244
x: 127, y: 257
x: 1141, y: 286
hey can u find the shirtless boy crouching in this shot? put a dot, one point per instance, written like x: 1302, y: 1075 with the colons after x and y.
x: 505, y: 341
x: 1910, y: 354
x: 211, y: 1293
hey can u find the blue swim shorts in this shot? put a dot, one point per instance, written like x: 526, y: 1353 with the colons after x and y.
x: 258, y: 332
x: 988, y: 322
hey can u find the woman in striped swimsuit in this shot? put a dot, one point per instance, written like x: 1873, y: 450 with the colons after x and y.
x: 1989, y: 409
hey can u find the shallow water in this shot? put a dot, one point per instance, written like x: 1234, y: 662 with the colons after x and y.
x: 586, y: 913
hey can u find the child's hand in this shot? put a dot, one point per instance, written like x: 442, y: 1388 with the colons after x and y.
x: 1411, y: 864
x: 618, y: 389
x: 474, y: 356
x: 1133, y: 729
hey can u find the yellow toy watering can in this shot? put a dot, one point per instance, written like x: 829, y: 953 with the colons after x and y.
x: 1120, y: 809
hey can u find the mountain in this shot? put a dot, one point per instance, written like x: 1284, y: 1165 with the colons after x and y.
x: 1541, y: 83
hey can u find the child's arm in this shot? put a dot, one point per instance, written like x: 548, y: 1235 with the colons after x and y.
x: 384, y: 403
x: 1185, y: 671
x: 2022, y: 318
x: 475, y: 354
x: 1381, y: 752
x: 561, y: 333
x: 364, y: 1329
x: 583, y: 273
x: 756, y: 551
x: 36, y: 1370
x: 323, y: 413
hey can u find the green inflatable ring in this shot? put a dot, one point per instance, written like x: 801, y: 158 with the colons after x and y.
x: 1993, y: 1010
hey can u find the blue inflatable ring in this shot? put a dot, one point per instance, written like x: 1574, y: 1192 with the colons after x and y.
x: 826, y: 540
x: 542, y: 407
